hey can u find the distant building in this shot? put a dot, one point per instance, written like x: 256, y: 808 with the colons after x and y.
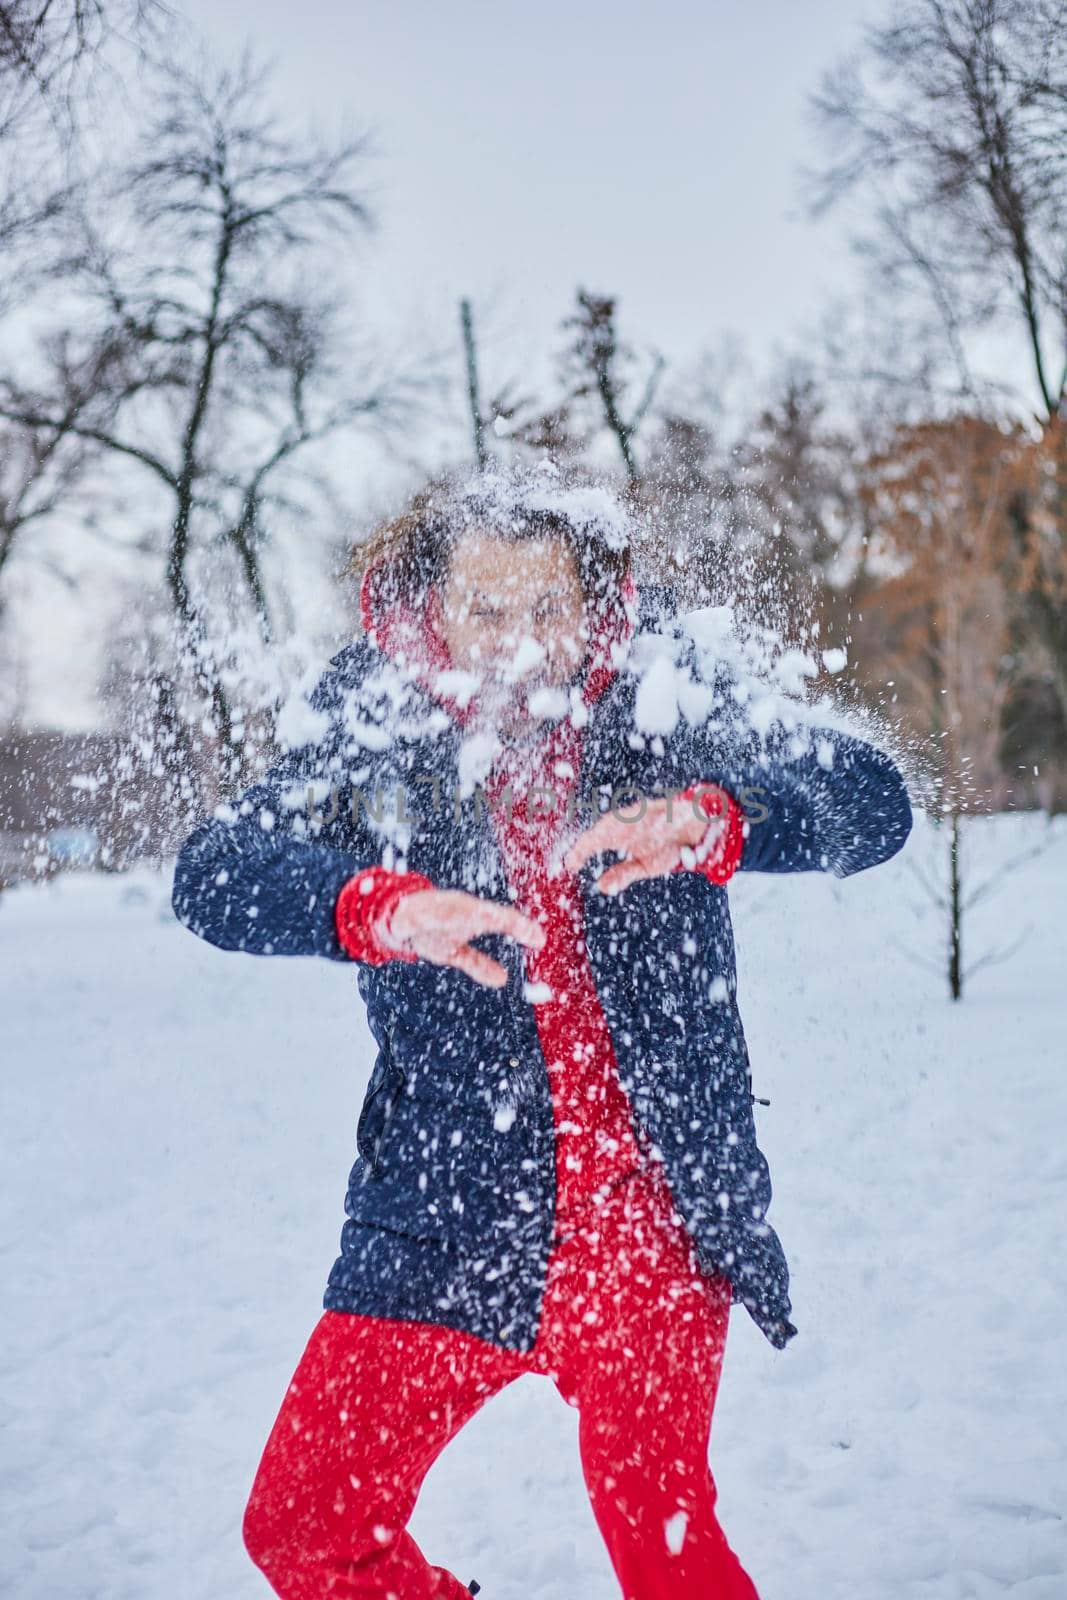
x: 71, y: 800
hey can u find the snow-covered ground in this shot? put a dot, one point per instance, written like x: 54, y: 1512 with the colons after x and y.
x: 178, y: 1124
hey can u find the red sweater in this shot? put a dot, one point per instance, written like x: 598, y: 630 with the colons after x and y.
x: 595, y: 1143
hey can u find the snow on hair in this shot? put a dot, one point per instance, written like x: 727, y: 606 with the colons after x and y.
x: 411, y: 551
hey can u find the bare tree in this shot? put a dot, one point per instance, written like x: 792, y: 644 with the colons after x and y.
x: 952, y: 122
x: 218, y: 364
x: 466, y: 317
x: 50, y: 48
x: 520, y: 418
x: 39, y: 469
x: 596, y: 365
x: 49, y: 55
x: 801, y: 468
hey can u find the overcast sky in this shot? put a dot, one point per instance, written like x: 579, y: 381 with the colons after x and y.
x: 649, y: 150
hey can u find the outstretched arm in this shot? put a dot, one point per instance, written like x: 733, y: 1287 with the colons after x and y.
x: 839, y: 806
x: 263, y: 873
x: 834, y: 804
x: 257, y: 876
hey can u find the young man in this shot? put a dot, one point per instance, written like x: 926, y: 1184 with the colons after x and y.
x: 557, y: 1168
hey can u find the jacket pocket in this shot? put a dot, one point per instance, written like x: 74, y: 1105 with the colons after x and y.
x: 387, y: 1083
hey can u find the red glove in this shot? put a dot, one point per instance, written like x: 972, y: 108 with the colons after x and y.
x: 724, y: 857
x: 364, y: 906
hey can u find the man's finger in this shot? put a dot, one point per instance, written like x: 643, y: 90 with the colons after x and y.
x: 609, y: 833
x: 496, y: 918
x: 619, y: 877
x: 480, y: 967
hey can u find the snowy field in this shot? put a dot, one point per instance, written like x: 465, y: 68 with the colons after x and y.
x: 178, y: 1125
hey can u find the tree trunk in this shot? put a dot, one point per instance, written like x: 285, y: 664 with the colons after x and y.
x: 955, y: 912
x: 477, y: 420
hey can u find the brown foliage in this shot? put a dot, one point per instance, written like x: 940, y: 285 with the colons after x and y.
x: 965, y: 517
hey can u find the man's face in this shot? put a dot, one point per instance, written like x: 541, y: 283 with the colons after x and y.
x: 514, y: 615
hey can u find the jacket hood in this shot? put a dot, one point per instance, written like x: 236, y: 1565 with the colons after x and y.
x: 415, y: 637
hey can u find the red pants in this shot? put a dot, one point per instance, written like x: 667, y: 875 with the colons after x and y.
x: 633, y: 1336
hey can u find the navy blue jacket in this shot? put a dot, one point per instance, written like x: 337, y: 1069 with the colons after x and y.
x: 450, y: 1205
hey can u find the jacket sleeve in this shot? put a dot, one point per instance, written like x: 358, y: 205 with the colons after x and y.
x: 263, y: 874
x: 839, y: 807
x: 814, y: 799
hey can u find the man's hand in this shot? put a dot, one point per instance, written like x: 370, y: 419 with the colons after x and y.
x: 664, y: 838
x: 437, y: 923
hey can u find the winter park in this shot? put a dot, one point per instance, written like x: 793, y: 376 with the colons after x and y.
x: 533, y: 801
